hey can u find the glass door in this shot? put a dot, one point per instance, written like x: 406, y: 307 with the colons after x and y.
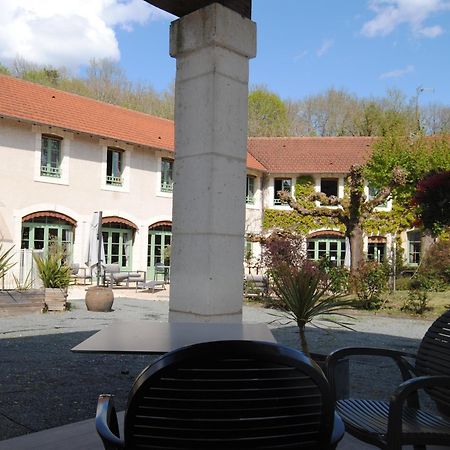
x: 39, y: 236
x: 334, y: 249
x: 117, y: 243
x: 159, y: 240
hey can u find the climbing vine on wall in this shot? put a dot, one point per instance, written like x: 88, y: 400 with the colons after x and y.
x: 292, y: 221
x: 400, y: 218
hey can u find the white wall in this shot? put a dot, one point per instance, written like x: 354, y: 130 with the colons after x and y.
x: 81, y: 189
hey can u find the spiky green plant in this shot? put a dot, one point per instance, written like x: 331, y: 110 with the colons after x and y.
x: 5, y: 260
x: 304, y: 292
x: 52, y: 269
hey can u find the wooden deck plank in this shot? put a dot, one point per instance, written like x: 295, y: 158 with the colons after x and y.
x: 74, y: 436
x: 83, y: 436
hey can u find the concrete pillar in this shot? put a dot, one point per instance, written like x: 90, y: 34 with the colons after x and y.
x: 212, y: 47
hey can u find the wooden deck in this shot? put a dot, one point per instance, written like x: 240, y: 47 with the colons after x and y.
x: 82, y: 436
x: 74, y: 436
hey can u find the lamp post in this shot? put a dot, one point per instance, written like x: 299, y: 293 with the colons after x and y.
x: 419, y: 90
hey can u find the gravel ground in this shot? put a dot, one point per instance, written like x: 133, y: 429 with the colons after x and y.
x: 43, y: 384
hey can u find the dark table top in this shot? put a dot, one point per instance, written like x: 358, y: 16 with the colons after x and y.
x: 145, y: 336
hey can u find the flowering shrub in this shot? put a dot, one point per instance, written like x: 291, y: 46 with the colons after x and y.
x: 282, y: 248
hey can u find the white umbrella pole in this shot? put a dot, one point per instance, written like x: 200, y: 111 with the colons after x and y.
x: 99, y: 246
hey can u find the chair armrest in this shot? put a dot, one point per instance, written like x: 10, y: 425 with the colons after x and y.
x: 106, y: 423
x: 405, y: 367
x: 338, y: 430
x: 400, y: 396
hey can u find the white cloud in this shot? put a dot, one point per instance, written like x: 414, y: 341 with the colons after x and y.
x: 326, y: 45
x: 397, y: 73
x: 431, y: 32
x: 70, y: 32
x: 389, y: 14
x: 301, y: 55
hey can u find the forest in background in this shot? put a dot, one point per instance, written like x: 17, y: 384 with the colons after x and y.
x: 331, y: 113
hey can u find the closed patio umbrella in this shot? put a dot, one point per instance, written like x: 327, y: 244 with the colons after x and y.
x: 95, y: 253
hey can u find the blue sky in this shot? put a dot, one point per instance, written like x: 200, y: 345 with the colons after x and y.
x: 304, y: 47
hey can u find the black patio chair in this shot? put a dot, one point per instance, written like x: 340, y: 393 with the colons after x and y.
x: 401, y: 421
x: 226, y: 394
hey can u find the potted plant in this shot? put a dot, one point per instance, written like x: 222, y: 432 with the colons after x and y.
x: 55, y: 276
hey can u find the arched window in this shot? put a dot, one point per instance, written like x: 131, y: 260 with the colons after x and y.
x: 41, y: 228
x: 326, y: 245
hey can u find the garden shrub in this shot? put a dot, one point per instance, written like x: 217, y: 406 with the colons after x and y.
x: 416, y: 302
x: 436, y: 265
x: 338, y: 276
x: 369, y: 283
x: 402, y: 283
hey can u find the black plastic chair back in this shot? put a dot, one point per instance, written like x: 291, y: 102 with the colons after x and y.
x: 433, y: 358
x: 233, y: 395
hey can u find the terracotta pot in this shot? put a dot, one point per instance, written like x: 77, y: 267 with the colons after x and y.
x: 99, y: 299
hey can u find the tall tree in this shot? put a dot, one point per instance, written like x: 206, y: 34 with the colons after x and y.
x: 267, y: 114
x: 417, y: 155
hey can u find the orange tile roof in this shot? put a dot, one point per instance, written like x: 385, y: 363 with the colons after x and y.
x: 305, y: 155
x: 39, y: 104
x: 42, y: 105
x: 253, y: 163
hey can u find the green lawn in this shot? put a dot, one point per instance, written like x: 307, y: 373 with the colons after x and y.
x: 393, y: 301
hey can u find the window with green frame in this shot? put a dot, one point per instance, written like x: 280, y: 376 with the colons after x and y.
x: 326, y: 247
x: 50, y: 156
x: 414, y: 247
x: 39, y: 233
x: 118, y: 244
x: 166, y: 175
x: 114, y: 166
x: 250, y: 190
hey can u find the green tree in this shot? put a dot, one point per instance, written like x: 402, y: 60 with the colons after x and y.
x: 351, y: 211
x: 4, y: 70
x: 417, y: 156
x: 267, y: 114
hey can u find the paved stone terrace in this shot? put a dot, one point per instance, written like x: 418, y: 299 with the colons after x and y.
x: 44, y: 385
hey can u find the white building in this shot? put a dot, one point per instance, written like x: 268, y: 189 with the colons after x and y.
x: 64, y: 156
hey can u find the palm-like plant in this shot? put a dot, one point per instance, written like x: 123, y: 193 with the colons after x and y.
x: 52, y: 269
x: 304, y: 291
